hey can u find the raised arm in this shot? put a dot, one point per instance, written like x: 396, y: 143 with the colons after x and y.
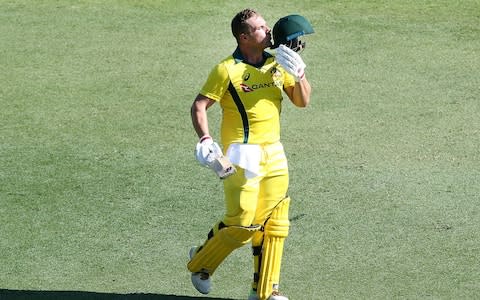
x: 291, y: 61
x: 300, y: 93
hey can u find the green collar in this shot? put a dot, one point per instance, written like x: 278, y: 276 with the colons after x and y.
x: 237, y: 55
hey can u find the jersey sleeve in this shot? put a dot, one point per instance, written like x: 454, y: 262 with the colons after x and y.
x: 288, y: 79
x: 216, y: 84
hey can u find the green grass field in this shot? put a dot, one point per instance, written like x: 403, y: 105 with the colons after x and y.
x: 101, y: 195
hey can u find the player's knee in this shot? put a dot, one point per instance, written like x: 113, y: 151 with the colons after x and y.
x: 244, y: 216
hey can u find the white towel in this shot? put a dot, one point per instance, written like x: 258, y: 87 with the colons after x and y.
x: 246, y: 156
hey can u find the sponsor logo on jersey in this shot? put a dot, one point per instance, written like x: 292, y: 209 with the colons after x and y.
x: 276, y: 77
x: 245, y: 88
x: 256, y: 86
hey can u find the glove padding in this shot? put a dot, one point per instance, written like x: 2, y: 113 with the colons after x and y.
x: 207, y: 151
x: 291, y: 62
x: 209, y: 154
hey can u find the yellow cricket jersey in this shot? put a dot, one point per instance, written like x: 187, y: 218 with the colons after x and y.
x: 250, y: 97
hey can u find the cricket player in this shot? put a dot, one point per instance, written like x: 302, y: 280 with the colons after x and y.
x: 249, y: 86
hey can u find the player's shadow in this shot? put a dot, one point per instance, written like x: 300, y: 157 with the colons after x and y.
x: 79, y: 295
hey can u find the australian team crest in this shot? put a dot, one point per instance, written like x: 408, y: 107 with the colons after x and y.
x: 275, y: 73
x: 277, y: 76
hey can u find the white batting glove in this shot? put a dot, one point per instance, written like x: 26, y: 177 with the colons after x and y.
x: 291, y: 62
x: 209, y: 154
x: 207, y: 151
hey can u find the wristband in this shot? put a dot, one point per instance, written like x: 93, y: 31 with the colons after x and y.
x: 300, y: 78
x: 205, y: 137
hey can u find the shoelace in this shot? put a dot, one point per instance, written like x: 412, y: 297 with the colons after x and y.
x: 204, y: 276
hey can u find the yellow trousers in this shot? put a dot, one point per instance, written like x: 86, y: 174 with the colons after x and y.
x: 251, y: 201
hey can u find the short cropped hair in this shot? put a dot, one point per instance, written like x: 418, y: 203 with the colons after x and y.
x: 239, y: 24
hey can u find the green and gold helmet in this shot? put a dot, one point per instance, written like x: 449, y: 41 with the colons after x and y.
x: 289, y: 29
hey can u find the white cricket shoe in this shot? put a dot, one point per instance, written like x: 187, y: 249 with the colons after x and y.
x: 200, y: 280
x: 275, y: 296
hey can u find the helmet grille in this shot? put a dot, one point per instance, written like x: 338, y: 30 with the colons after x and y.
x: 296, y: 45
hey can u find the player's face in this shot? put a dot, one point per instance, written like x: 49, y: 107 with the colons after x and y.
x: 260, y: 33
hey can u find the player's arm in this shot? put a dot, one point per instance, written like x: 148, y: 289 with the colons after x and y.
x: 291, y: 61
x: 299, y: 94
x: 199, y: 115
x: 208, y: 152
